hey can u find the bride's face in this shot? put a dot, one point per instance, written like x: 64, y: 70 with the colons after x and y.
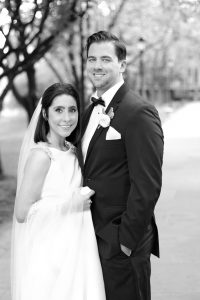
x: 62, y: 116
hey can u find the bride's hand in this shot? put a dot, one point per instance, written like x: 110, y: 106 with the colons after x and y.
x: 87, y: 192
x: 87, y: 204
x: 83, y: 195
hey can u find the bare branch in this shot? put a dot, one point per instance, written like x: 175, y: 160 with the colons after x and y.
x: 29, y: 38
x: 72, y: 58
x: 55, y: 71
x: 116, y: 15
x: 5, y: 91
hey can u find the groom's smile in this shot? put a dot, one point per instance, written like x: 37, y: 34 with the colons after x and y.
x: 98, y: 76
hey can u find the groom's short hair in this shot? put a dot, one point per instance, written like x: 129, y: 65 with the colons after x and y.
x: 105, y: 36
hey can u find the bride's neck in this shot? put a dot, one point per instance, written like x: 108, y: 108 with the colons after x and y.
x: 56, y: 143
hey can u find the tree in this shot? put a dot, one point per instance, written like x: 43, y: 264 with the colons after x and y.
x: 27, y: 31
x: 170, y: 31
x: 70, y: 47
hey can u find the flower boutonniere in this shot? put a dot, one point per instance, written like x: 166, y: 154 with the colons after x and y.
x: 104, y: 119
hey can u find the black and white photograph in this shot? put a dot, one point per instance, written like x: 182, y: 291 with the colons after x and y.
x: 99, y: 150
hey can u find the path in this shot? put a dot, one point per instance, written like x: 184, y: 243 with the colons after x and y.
x: 176, y: 275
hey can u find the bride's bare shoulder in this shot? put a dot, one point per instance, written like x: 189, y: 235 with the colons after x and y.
x: 39, y: 158
x: 41, y: 150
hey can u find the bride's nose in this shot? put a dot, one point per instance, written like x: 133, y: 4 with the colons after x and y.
x: 67, y: 116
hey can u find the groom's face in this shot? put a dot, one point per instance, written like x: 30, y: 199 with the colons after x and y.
x: 103, y: 67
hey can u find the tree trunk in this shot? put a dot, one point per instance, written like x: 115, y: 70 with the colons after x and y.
x: 6, y: 89
x: 32, y: 97
x: 29, y: 101
x: 54, y: 69
x: 1, y: 168
x: 82, y: 78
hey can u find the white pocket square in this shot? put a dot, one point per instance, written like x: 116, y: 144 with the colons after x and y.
x: 113, y: 134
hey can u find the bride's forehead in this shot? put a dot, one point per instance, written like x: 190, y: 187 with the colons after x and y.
x: 63, y: 100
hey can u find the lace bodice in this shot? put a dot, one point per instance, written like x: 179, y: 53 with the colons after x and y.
x: 64, y: 174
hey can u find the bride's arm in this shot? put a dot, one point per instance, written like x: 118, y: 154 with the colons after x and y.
x: 35, y: 172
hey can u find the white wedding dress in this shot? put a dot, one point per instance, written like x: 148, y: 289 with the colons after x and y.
x: 58, y: 250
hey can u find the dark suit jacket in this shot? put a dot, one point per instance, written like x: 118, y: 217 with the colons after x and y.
x: 126, y: 174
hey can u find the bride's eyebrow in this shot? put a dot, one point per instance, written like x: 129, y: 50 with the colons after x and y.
x: 58, y: 106
x: 63, y: 107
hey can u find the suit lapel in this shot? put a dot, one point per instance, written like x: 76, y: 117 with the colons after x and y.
x: 117, y: 98
x: 114, y: 104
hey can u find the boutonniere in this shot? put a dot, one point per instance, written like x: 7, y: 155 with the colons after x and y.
x: 104, y: 119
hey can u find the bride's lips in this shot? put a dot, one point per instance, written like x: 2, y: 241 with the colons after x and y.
x: 66, y: 127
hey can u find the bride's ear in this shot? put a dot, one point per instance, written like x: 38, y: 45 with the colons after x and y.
x: 44, y: 114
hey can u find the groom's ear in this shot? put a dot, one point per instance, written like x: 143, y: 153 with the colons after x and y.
x: 123, y: 66
x: 44, y: 114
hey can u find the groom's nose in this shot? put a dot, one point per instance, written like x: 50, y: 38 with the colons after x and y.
x: 98, y: 64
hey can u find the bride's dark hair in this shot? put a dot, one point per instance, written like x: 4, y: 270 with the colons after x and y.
x: 50, y: 93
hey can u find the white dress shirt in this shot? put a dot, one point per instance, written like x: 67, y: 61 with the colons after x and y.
x: 94, y: 118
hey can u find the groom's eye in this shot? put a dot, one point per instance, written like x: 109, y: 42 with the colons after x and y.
x: 106, y: 59
x: 91, y: 59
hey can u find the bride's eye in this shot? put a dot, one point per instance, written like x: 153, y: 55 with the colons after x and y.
x: 73, y: 109
x: 59, y: 110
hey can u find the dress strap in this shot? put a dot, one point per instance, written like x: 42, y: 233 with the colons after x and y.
x: 45, y: 148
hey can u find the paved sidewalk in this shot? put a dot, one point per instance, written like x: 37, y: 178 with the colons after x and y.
x: 176, y: 275
x: 5, y: 234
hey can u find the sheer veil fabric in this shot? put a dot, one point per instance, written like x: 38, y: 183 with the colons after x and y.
x: 18, y: 229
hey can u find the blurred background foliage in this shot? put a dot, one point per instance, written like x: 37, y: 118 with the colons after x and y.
x: 42, y: 41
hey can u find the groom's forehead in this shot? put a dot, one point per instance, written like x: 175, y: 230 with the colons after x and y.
x: 101, y: 47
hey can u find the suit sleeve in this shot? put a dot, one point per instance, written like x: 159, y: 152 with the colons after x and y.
x: 144, y: 148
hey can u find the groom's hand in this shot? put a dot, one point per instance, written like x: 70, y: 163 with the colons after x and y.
x: 125, y: 250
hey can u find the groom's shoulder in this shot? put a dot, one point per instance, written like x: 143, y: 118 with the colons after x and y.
x: 133, y: 101
x: 134, y: 105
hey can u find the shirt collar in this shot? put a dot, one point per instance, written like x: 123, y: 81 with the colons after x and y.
x: 109, y: 94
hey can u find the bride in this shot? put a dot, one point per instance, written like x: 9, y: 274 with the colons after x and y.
x: 54, y: 250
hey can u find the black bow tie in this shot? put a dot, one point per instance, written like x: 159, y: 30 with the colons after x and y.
x: 96, y: 101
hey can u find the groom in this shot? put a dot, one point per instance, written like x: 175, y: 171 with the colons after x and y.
x: 122, y: 149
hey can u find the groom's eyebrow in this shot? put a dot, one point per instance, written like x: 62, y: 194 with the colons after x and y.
x: 101, y: 57
x: 91, y: 56
x: 106, y: 56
